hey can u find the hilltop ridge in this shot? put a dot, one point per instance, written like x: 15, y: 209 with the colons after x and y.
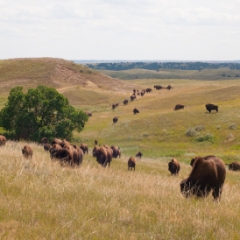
x: 53, y: 72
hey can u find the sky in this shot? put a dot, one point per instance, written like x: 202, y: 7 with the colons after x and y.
x: 190, y: 30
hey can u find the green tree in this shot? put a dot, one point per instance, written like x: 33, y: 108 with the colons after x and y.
x: 41, y: 112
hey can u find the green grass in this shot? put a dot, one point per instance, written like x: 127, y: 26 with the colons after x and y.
x: 205, y: 74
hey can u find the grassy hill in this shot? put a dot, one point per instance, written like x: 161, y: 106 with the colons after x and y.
x: 40, y: 199
x: 57, y: 73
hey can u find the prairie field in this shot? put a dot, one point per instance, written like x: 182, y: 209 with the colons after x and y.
x: 42, y: 199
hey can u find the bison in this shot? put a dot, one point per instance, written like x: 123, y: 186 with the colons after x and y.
x: 131, y: 163
x: 27, y: 151
x: 2, y: 140
x: 89, y: 114
x: 174, y: 166
x: 56, y: 141
x: 169, y: 87
x: 132, y: 97
x: 211, y: 107
x: 114, y: 105
x: 138, y: 154
x: 148, y: 90
x: 125, y: 102
x: 116, y: 151
x: 178, y: 107
x: 206, y: 158
x: 44, y: 140
x: 234, y: 166
x: 135, y: 110
x: 158, y: 87
x: 46, y: 146
x: 142, y: 92
x: 95, y: 141
x: 208, y: 174
x: 84, y: 148
x: 104, y: 155
x: 115, y: 119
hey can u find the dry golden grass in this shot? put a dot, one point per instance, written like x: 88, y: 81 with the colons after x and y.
x: 40, y: 199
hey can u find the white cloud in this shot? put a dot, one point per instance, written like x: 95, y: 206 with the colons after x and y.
x: 127, y: 29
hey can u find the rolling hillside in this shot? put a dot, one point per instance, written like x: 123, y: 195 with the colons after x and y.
x: 57, y: 73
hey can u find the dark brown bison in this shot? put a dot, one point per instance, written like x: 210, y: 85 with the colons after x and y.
x: 84, y: 147
x: 132, y: 97
x: 115, y: 105
x: 211, y: 107
x: 61, y: 154
x: 2, y: 140
x: 56, y: 141
x: 207, y: 175
x: 234, y: 166
x: 142, y: 92
x: 104, y: 155
x: 134, y: 91
x: 174, y: 166
x: 27, y: 151
x: 131, y: 163
x: 116, y: 151
x: 125, y: 102
x: 46, y: 146
x: 139, y: 154
x: 89, y: 114
x: 135, y: 110
x: 169, y: 87
x: 95, y: 141
x: 44, y: 140
x: 205, y: 158
x: 178, y: 107
x: 148, y: 90
x: 80, y: 155
x: 115, y: 119
x: 158, y: 87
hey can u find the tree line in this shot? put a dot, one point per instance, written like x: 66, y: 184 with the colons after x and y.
x: 163, y: 65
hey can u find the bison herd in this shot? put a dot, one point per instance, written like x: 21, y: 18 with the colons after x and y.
x: 207, y: 175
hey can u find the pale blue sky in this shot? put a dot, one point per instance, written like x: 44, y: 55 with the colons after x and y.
x: 121, y: 29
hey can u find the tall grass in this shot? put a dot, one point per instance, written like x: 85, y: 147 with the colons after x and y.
x: 40, y: 199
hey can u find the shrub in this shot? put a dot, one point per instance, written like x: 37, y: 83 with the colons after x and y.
x: 191, y: 132
x: 206, y: 138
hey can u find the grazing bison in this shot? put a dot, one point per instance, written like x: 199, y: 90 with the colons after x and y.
x: 115, y: 105
x: 131, y: 163
x: 116, y: 151
x: 169, y: 87
x: 206, y: 175
x: 56, y: 141
x: 132, y: 97
x: 89, y: 114
x: 158, y: 87
x: 178, y: 107
x: 2, y: 140
x: 139, y: 154
x: 174, y: 166
x: 44, y: 140
x: 46, y: 146
x: 125, y: 102
x: 205, y: 158
x: 135, y: 110
x: 234, y: 166
x: 95, y: 141
x: 27, y: 151
x: 104, y: 155
x: 142, y: 92
x: 148, y: 90
x: 84, y: 148
x: 61, y: 154
x: 211, y: 107
x: 80, y: 154
x: 115, y: 119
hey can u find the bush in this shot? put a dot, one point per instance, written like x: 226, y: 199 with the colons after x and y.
x: 206, y: 138
x: 191, y: 132
x: 199, y: 128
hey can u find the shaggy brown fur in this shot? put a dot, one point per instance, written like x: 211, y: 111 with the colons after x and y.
x: 178, y: 107
x: 2, y: 140
x: 139, y: 154
x: 104, y: 155
x: 131, y: 163
x: 115, y: 119
x: 208, y: 174
x: 211, y: 107
x: 174, y: 166
x: 116, y: 151
x: 27, y: 151
x: 84, y: 148
x: 234, y: 166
